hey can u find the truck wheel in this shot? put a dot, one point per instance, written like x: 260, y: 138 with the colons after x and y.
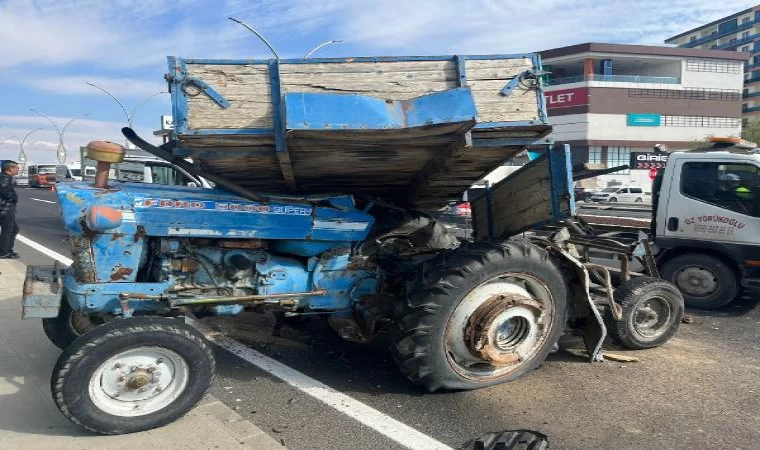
x: 706, y: 282
x: 132, y: 375
x: 480, y: 315
x: 68, y: 326
x: 652, y: 312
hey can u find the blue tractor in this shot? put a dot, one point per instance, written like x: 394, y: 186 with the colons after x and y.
x: 327, y: 175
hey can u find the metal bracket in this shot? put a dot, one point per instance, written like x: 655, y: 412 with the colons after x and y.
x: 527, y: 75
x: 194, y: 86
x: 594, y: 348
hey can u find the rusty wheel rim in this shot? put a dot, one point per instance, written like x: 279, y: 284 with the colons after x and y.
x: 499, y: 326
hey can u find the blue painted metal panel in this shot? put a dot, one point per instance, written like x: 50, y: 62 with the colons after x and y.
x: 538, y: 67
x: 461, y: 71
x: 177, y: 71
x: 317, y: 111
x: 207, y: 89
x: 281, y: 275
x: 358, y: 59
x: 561, y: 179
x: 117, y: 251
x: 104, y: 297
x: 189, y: 211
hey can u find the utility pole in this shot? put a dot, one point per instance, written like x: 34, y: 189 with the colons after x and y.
x: 61, y: 151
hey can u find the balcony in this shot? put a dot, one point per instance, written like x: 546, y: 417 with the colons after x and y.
x: 752, y: 95
x: 747, y: 109
x: 717, y: 35
x: 613, y: 79
x: 738, y: 42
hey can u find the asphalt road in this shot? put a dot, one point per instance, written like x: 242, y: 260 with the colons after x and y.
x: 699, y: 390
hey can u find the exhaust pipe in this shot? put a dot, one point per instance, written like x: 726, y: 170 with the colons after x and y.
x: 105, y: 153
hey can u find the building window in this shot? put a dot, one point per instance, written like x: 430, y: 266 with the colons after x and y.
x: 730, y: 95
x: 745, y: 35
x: 712, y: 65
x: 619, y: 156
x: 595, y: 155
x: 692, y: 39
x: 745, y: 21
x: 745, y: 49
x: 729, y: 186
x: 701, y: 121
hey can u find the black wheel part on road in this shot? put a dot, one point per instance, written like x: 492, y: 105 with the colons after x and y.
x: 638, y: 200
x: 68, y: 326
x: 110, y: 358
x: 443, y: 302
x: 652, y: 313
x: 612, y: 199
x: 705, y: 281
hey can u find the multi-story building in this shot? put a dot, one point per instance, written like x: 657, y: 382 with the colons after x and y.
x: 612, y: 102
x: 738, y: 32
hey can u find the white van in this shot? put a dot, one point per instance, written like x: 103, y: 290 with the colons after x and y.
x: 632, y: 194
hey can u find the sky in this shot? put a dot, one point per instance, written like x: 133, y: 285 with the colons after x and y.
x: 50, y: 49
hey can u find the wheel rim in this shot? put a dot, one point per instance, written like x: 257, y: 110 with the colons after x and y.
x: 697, y: 281
x: 499, y: 326
x: 139, y: 381
x: 652, y: 317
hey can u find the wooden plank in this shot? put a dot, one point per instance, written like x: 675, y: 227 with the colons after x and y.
x: 520, y: 200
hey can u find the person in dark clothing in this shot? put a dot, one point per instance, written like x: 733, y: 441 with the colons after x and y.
x: 8, y: 201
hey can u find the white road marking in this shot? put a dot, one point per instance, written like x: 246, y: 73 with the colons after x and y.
x: 42, y: 249
x: 368, y: 416
x: 365, y: 414
x: 41, y: 200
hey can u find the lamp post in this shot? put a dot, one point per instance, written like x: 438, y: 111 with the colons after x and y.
x: 129, y: 116
x: 22, y: 153
x: 320, y: 46
x: 61, y: 151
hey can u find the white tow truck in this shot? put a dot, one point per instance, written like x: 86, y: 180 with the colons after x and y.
x: 706, y: 221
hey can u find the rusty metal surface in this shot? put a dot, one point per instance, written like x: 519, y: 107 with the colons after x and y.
x: 42, y: 293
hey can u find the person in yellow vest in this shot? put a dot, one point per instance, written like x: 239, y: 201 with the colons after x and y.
x: 730, y: 189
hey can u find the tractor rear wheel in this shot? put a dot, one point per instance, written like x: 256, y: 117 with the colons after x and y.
x: 480, y: 315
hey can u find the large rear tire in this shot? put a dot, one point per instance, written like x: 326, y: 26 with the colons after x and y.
x: 480, y: 315
x: 705, y: 281
x: 133, y: 375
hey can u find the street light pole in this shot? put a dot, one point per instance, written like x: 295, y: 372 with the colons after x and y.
x: 22, y: 153
x: 320, y: 46
x: 61, y: 151
x: 130, y: 117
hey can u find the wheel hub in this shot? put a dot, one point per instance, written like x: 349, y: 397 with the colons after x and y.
x: 500, y: 325
x: 139, y: 381
x: 698, y: 281
x: 651, y: 318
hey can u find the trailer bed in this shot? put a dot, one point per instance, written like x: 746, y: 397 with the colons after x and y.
x: 415, y: 130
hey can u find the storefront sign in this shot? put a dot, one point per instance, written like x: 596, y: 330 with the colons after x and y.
x: 648, y: 160
x: 643, y: 120
x: 566, y: 97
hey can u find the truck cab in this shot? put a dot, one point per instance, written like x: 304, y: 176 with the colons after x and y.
x: 707, y: 222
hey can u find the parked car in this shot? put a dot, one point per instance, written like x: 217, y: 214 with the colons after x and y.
x: 619, y: 194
